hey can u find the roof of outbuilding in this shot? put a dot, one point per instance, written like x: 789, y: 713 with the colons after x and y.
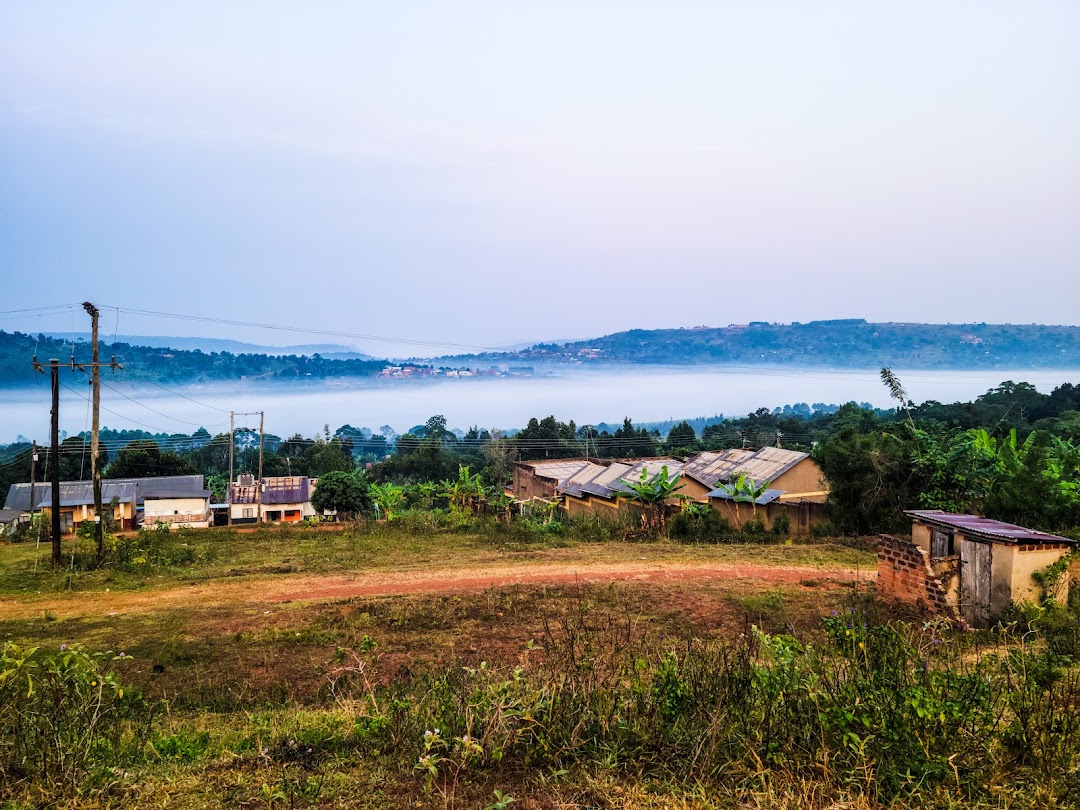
x: 985, y: 528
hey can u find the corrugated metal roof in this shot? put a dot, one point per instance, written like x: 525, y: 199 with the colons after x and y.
x: 768, y: 496
x: 601, y: 486
x: 560, y: 470
x: 280, y: 490
x: 976, y: 526
x: 18, y: 496
x: 81, y: 493
x: 766, y: 464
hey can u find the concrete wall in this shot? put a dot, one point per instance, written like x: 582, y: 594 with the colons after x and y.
x: 806, y: 476
x: 693, y: 489
x: 1026, y: 560
x: 191, y: 512
x: 802, y: 516
x: 527, y: 484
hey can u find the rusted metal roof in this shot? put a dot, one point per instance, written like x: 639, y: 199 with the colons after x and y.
x: 280, y: 490
x: 766, y: 464
x: 985, y: 528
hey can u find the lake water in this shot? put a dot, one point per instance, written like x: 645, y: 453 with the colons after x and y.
x: 643, y: 393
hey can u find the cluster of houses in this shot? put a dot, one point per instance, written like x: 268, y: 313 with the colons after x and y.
x: 172, y: 501
x: 781, y: 482
x: 965, y: 566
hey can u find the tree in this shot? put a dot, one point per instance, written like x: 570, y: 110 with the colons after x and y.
x: 143, y: 459
x: 464, y: 491
x: 340, y: 492
x: 870, y: 479
x: 547, y: 438
x: 681, y: 439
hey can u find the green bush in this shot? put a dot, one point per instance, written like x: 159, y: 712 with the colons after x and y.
x: 63, y: 713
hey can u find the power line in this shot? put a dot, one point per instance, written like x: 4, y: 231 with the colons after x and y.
x: 307, y: 331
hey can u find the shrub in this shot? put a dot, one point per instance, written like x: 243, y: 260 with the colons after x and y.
x: 63, y: 712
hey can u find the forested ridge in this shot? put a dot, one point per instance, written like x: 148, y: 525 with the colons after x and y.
x: 852, y: 343
x: 163, y: 365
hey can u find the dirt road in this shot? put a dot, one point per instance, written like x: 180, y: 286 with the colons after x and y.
x: 262, y: 592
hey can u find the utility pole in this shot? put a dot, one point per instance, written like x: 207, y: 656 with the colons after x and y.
x: 33, y: 478
x: 259, y: 482
x: 232, y: 444
x: 95, y: 473
x: 54, y: 468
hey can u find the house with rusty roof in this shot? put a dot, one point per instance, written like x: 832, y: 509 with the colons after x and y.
x: 279, y: 499
x: 968, y: 566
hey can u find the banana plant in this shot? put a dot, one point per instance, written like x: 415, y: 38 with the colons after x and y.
x: 652, y: 493
x: 387, y: 497
x: 743, y: 489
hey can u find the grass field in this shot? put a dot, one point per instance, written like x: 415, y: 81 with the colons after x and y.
x: 294, y: 667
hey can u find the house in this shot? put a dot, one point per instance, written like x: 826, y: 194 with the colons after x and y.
x: 587, y: 487
x: 796, y: 486
x: 178, y: 508
x: 283, y: 499
x: 794, y: 474
x: 968, y: 566
x: 77, y: 498
x: 77, y: 503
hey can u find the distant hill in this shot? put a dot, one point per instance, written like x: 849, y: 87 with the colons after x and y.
x: 171, y: 365
x: 221, y: 345
x: 850, y: 343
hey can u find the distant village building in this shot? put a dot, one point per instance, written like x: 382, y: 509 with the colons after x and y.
x: 968, y: 566
x: 135, y: 501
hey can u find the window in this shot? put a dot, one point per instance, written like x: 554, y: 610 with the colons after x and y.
x: 248, y: 513
x: 941, y: 544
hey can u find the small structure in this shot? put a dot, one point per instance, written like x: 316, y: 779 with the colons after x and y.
x: 967, y: 565
x: 284, y: 499
x: 180, y: 508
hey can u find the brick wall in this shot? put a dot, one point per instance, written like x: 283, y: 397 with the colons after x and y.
x: 904, y: 574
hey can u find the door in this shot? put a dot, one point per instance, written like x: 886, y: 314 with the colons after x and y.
x: 975, y: 559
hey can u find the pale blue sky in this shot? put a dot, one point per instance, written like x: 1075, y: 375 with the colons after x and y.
x: 491, y: 173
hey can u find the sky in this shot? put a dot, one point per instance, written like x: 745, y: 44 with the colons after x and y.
x: 490, y: 174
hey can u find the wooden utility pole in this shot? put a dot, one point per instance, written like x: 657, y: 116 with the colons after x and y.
x: 259, y: 482
x: 232, y: 444
x: 54, y: 468
x: 33, y: 478
x: 95, y: 473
